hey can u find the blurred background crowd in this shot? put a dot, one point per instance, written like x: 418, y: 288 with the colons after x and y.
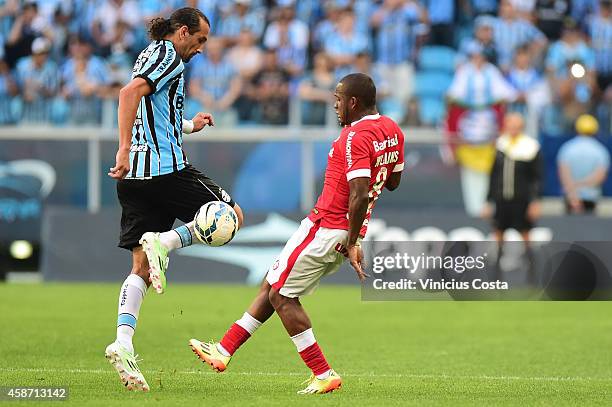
x: 548, y: 59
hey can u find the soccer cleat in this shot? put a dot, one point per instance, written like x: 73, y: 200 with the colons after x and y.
x: 157, y: 254
x: 125, y: 364
x: 207, y: 352
x: 318, y: 386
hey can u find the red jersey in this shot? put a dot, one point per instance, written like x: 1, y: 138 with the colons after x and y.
x: 370, y: 147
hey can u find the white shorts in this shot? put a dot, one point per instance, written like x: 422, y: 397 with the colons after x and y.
x: 311, y: 253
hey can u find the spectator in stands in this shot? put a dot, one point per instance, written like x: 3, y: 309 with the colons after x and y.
x: 346, y: 44
x: 441, y: 15
x: 550, y: 15
x: 569, y: 67
x: 38, y: 80
x: 533, y: 91
x: 28, y: 26
x: 84, y: 78
x: 475, y: 95
x: 214, y: 85
x: 106, y: 21
x: 510, y: 32
x: 515, y: 183
x: 8, y: 90
x: 270, y: 91
x: 285, y: 25
x: 479, y: 83
x: 395, y: 22
x: 483, y: 34
x: 8, y: 10
x: 600, y: 31
x: 327, y: 26
x: 316, y: 91
x: 60, y: 30
x: 246, y: 56
x: 570, y: 48
x: 583, y: 164
x: 241, y: 18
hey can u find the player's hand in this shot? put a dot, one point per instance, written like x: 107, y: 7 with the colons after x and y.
x: 534, y: 210
x: 122, y: 164
x: 355, y: 256
x: 202, y: 120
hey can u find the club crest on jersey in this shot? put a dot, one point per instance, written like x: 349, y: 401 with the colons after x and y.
x: 387, y: 143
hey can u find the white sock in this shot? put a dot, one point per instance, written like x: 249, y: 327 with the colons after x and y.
x: 304, y: 339
x: 249, y: 323
x: 131, y: 295
x: 182, y: 236
x: 222, y: 350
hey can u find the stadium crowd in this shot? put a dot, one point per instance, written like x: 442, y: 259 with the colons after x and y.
x: 60, y: 59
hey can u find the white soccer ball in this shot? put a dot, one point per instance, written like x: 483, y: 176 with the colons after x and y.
x: 216, y: 223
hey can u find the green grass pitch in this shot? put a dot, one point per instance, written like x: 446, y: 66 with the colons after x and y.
x: 389, y: 353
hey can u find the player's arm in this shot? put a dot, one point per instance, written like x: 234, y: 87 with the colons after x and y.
x: 358, y: 205
x: 395, y: 178
x: 129, y: 99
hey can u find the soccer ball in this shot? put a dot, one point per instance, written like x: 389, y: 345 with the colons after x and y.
x: 216, y: 223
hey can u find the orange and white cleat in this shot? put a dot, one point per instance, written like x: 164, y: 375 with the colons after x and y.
x: 207, y: 352
x: 322, y: 386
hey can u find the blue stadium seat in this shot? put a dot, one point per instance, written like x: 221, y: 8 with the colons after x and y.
x: 431, y: 84
x: 437, y: 58
x: 431, y: 110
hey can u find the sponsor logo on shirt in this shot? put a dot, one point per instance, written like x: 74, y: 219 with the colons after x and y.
x: 387, y: 143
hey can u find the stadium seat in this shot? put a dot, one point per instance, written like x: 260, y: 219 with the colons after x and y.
x: 437, y: 58
x: 431, y: 110
x: 431, y: 84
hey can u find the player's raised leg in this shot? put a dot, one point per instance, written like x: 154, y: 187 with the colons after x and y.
x: 219, y: 354
x: 157, y: 247
x: 121, y: 352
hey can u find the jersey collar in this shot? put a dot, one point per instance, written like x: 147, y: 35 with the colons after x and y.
x: 368, y: 117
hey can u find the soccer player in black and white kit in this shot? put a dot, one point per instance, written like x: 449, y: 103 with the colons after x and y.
x: 155, y: 183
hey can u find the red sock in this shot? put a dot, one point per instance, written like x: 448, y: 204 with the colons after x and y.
x: 314, y: 359
x: 234, y: 337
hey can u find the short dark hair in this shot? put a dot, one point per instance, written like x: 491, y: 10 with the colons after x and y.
x: 161, y: 27
x: 360, y: 86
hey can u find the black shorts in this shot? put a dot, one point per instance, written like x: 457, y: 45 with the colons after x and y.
x: 512, y: 215
x: 152, y: 205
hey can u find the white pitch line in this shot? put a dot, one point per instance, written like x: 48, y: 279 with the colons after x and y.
x: 358, y: 375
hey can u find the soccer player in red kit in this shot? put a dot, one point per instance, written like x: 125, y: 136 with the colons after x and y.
x: 367, y: 157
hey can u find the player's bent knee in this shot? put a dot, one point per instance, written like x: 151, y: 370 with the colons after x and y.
x: 277, y: 299
x: 240, y: 215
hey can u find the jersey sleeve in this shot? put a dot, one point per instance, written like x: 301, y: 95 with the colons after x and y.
x: 399, y: 167
x: 357, y: 156
x: 163, y: 65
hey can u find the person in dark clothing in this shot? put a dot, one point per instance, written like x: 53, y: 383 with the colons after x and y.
x: 514, y: 187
